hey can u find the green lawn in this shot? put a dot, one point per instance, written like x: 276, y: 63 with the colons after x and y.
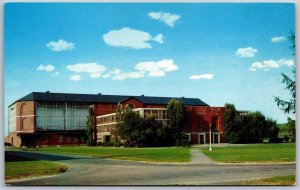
x: 19, y: 167
x: 278, y: 180
x: 166, y: 154
x: 285, y: 152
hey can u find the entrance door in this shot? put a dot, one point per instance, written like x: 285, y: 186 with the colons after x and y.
x: 107, y: 139
x: 216, y: 138
x: 201, y: 138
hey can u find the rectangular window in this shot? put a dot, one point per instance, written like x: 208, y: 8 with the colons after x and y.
x: 60, y: 138
x: 75, y: 139
x: 82, y: 139
x: 68, y: 139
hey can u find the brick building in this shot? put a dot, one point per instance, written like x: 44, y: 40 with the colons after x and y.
x: 45, y: 118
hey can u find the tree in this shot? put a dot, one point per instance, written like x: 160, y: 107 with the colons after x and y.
x: 289, y: 105
x: 152, y: 132
x: 251, y: 128
x: 91, y: 128
x: 229, y: 123
x: 272, y: 130
x: 117, y: 141
x: 292, y: 129
x: 175, y: 111
x: 130, y: 128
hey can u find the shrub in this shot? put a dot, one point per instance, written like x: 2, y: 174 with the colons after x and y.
x: 275, y: 140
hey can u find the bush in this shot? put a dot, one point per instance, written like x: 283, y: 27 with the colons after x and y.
x: 275, y: 140
x: 91, y: 142
x: 286, y: 138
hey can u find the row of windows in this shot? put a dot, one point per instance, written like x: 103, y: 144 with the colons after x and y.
x: 68, y: 138
x: 60, y: 123
x: 106, y: 128
x: 62, y: 112
x: 158, y: 114
x: 108, y: 119
x: 61, y: 116
x: 61, y: 104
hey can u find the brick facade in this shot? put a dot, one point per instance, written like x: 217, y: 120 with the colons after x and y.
x: 199, y: 121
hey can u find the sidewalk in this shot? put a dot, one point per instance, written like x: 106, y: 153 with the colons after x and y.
x: 197, y: 157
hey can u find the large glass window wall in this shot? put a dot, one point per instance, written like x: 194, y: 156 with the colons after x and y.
x: 61, y: 116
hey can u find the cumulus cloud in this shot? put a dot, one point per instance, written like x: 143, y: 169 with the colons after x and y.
x: 203, y: 76
x: 60, y: 45
x: 93, y: 69
x: 117, y: 74
x: 246, y: 52
x: 271, y: 64
x: 165, y: 17
x: 157, y: 68
x: 47, y: 68
x: 75, y: 77
x: 278, y: 39
x: 131, y: 38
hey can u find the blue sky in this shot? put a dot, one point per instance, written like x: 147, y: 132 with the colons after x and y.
x: 216, y: 52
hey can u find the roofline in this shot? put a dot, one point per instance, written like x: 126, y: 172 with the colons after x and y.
x: 99, y: 94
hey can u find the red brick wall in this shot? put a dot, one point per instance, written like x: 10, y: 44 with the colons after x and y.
x: 199, y: 118
x: 136, y: 103
x: 104, y: 108
x: 14, y: 139
x: 25, y: 116
x: 107, y: 108
x: 54, y: 139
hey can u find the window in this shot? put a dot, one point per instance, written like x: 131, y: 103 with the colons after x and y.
x: 75, y: 139
x: 82, y: 139
x: 188, y: 137
x: 60, y: 138
x: 131, y: 106
x: 68, y: 139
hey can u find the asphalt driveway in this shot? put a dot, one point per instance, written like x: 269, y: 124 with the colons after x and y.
x: 84, y: 170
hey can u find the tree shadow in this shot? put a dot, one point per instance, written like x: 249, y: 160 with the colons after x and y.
x: 16, y: 156
x: 126, y: 155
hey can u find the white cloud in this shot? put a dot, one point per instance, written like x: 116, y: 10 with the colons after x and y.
x: 246, y: 52
x: 289, y: 62
x: 55, y: 74
x: 95, y: 70
x: 75, y: 77
x: 106, y: 76
x: 131, y: 38
x: 158, y: 68
x: 60, y: 45
x: 120, y: 75
x: 165, y: 17
x: 47, y: 68
x: 271, y: 64
x: 278, y: 39
x: 203, y: 76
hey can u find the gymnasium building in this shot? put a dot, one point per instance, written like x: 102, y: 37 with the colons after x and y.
x: 46, y: 118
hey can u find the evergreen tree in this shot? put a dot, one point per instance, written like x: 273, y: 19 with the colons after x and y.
x: 289, y: 105
x: 91, y: 128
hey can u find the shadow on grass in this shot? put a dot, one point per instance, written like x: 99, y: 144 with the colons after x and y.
x: 126, y: 155
x: 15, y: 156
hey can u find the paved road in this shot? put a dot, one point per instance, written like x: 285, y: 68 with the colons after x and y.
x: 85, y: 170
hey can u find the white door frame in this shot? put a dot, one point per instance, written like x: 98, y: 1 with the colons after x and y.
x: 216, y: 133
x: 204, y: 135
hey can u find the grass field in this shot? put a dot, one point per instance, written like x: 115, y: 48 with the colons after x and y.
x: 166, y: 154
x: 278, y: 180
x: 285, y: 152
x: 19, y: 167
